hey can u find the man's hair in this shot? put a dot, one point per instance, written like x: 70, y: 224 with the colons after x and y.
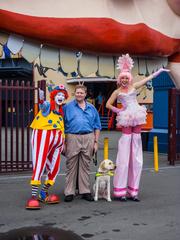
x: 79, y: 86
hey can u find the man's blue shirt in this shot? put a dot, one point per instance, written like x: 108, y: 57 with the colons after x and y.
x: 78, y: 120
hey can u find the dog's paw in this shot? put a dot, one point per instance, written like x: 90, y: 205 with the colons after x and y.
x: 109, y: 200
x: 95, y: 199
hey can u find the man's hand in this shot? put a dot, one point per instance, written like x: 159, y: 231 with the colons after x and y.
x: 64, y: 149
x: 95, y: 147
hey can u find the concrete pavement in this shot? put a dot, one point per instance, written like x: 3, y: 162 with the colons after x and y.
x: 156, y: 217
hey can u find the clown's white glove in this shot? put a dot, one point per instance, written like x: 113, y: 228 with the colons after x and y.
x: 160, y: 71
x: 41, y: 95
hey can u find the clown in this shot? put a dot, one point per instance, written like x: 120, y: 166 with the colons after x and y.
x: 131, y: 117
x: 47, y: 145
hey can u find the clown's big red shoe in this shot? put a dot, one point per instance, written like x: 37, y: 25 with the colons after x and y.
x: 50, y: 199
x: 33, y: 204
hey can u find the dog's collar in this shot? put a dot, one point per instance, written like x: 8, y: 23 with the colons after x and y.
x: 109, y: 173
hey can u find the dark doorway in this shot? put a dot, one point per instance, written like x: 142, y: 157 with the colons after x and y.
x: 98, y: 94
x: 104, y: 88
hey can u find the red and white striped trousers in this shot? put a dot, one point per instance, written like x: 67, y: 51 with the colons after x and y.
x: 47, y: 146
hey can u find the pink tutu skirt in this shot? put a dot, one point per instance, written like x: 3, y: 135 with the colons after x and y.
x: 133, y: 116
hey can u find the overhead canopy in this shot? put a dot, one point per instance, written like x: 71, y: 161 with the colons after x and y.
x: 16, y: 68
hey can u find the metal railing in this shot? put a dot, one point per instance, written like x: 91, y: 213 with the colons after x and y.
x: 17, y: 102
x: 174, y: 126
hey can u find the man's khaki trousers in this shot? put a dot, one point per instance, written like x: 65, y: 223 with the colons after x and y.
x: 79, y: 151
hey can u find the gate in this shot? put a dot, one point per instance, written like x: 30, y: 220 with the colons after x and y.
x: 17, y: 110
x: 174, y: 126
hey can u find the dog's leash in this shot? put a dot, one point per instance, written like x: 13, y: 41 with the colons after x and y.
x: 95, y: 158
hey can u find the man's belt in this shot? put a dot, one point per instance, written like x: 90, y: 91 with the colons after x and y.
x: 81, y: 133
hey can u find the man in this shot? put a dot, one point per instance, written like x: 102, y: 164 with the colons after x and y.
x: 82, y: 128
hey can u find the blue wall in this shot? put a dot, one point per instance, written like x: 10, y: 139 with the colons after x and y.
x: 161, y: 85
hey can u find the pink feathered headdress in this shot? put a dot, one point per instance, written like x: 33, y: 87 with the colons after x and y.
x: 125, y: 64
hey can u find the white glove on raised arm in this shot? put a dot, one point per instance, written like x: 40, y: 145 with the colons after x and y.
x: 41, y: 94
x: 160, y: 71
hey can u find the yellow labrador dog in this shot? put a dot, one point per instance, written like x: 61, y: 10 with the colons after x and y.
x: 102, y: 186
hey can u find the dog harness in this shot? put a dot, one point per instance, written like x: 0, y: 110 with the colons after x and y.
x: 111, y: 174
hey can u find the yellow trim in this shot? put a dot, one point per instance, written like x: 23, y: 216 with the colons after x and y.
x: 35, y: 182
x: 51, y: 182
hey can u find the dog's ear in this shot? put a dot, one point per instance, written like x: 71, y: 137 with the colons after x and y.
x: 101, y: 166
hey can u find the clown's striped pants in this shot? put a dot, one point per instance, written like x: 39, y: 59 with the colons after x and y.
x: 47, y: 146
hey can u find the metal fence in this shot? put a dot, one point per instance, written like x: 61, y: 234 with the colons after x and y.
x: 174, y: 126
x: 17, y: 109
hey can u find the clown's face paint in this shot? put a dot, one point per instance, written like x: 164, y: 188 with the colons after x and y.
x: 59, y: 98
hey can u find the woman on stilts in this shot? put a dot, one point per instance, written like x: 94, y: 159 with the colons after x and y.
x: 130, y: 118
